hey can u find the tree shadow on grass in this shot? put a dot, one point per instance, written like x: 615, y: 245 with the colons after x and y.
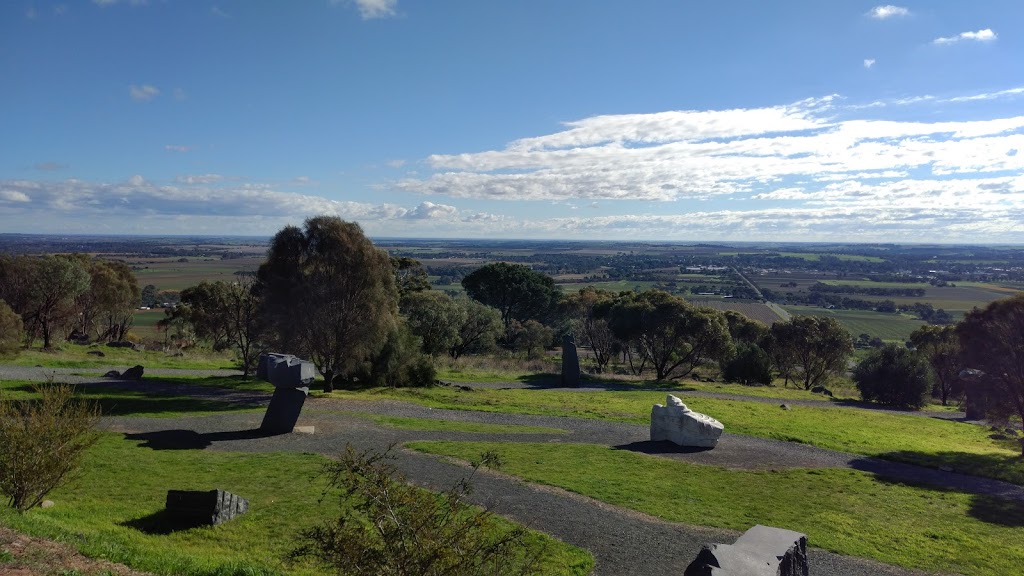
x: 548, y: 380
x: 659, y: 447
x: 991, y: 509
x: 192, y: 440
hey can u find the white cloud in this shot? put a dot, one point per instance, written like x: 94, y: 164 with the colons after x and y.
x: 986, y: 35
x: 888, y: 11
x: 143, y: 92
x: 395, y: 163
x: 869, y: 62
x: 217, y: 11
x: 177, y: 148
x: 431, y: 211
x: 987, y: 96
x: 13, y: 196
x: 370, y: 9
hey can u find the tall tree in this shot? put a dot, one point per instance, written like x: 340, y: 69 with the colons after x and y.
x: 673, y: 334
x: 410, y: 276
x: 11, y: 331
x: 817, y: 345
x: 329, y: 295
x: 106, y: 309
x: 894, y: 376
x: 435, y: 317
x: 207, y: 307
x: 518, y: 292
x: 992, y: 340
x: 588, y: 311
x: 247, y: 327
x: 57, y: 282
x: 479, y: 331
x: 940, y: 347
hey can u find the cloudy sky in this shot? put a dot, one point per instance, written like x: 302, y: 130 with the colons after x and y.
x: 580, y: 119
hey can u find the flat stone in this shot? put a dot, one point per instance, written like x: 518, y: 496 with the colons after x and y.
x: 47, y: 504
x: 760, y: 551
x: 678, y: 424
x: 209, y: 507
x: 304, y: 430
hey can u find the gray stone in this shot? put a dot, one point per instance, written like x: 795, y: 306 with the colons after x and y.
x: 112, y: 374
x: 283, y: 412
x: 976, y: 393
x: 760, y: 551
x: 47, y: 504
x: 678, y: 424
x: 96, y: 353
x: 285, y: 370
x: 784, y: 406
x: 821, y: 390
x: 119, y: 344
x: 570, y: 363
x: 207, y: 507
x: 133, y: 373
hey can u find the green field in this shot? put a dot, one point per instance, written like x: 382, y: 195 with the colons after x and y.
x: 173, y: 275
x: 888, y: 327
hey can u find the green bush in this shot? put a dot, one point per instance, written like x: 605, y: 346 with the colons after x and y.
x: 749, y: 365
x: 391, y: 527
x: 42, y: 442
x: 894, y: 376
x: 11, y: 331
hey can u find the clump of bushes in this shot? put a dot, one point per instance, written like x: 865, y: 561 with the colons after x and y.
x: 391, y: 527
x: 42, y: 442
x: 894, y: 376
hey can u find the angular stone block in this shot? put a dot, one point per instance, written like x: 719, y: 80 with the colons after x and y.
x: 678, y: 424
x: 205, y: 507
x: 285, y: 370
x: 760, y: 551
x: 283, y: 412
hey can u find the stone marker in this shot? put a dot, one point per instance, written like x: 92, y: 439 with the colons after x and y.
x: 291, y: 378
x: 112, y: 374
x: 976, y: 394
x: 760, y: 551
x: 570, y: 362
x: 208, y: 507
x: 677, y: 423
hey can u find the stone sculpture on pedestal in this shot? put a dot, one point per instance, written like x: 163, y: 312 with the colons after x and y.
x: 677, y: 423
x: 291, y: 378
x: 570, y: 363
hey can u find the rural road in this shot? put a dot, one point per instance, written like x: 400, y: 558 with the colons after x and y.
x: 622, y: 541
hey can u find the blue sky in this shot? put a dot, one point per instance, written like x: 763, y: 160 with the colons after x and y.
x: 581, y: 119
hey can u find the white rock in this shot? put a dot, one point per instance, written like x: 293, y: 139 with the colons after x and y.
x: 678, y: 424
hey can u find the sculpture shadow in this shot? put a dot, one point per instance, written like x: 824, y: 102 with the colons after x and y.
x: 192, y: 440
x: 659, y: 447
x: 161, y: 523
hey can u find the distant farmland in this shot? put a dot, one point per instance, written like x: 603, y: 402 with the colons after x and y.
x: 753, y: 310
x: 889, y: 327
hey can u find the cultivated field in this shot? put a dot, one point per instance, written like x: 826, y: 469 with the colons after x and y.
x: 888, y: 327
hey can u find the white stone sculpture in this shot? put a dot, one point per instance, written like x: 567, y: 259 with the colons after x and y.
x: 677, y: 423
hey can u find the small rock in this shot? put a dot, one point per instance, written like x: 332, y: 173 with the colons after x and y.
x: 47, y: 504
x: 304, y: 429
x: 1011, y: 432
x: 112, y: 374
x: 466, y: 388
x: 784, y: 406
x: 946, y: 468
x: 96, y: 353
x: 999, y: 436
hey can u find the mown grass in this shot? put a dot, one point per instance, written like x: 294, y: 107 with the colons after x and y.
x: 114, y: 401
x: 846, y: 511
x: 74, y: 356
x: 432, y: 425
x: 114, y: 512
x: 913, y: 439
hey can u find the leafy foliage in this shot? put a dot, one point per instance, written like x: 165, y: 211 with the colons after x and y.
x: 329, y: 295
x: 940, y: 346
x: 518, y: 292
x: 992, y: 340
x: 750, y: 364
x: 587, y: 311
x: 435, y: 317
x: 894, y: 376
x: 11, y: 331
x: 394, y: 528
x: 816, y: 346
x: 42, y: 443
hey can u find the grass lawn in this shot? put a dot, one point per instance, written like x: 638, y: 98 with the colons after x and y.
x: 119, y: 402
x: 112, y: 510
x: 74, y: 356
x: 846, y: 511
x: 904, y: 438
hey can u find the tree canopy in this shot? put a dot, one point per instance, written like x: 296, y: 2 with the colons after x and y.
x: 329, y: 295
x: 518, y: 292
x: 894, y: 376
x: 816, y: 345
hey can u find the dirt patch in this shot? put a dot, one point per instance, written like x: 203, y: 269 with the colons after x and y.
x: 22, y: 555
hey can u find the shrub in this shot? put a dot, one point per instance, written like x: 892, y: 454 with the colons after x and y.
x: 392, y: 527
x: 749, y: 365
x: 42, y: 442
x: 894, y: 376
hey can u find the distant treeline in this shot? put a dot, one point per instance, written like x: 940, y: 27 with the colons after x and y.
x: 867, y: 290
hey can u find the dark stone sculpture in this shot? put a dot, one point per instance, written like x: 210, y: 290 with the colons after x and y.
x: 204, y: 507
x: 133, y: 373
x: 570, y: 363
x: 291, y: 378
x: 760, y: 551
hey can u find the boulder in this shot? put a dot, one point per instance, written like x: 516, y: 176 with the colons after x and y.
x: 678, y: 424
x: 821, y: 390
x: 121, y: 344
x: 96, y: 353
x: 133, y: 373
x: 285, y: 370
x: 760, y: 551
x: 112, y: 374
